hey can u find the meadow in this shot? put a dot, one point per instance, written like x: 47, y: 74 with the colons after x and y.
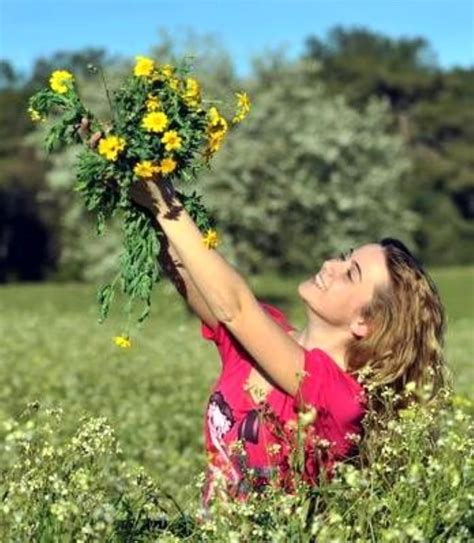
x: 55, y: 358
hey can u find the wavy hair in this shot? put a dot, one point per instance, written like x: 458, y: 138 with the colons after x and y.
x: 407, y: 326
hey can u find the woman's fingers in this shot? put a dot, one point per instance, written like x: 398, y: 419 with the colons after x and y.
x: 83, y: 129
x: 94, y: 140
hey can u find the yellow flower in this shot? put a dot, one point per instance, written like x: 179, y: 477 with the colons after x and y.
x: 111, y: 146
x: 213, y: 116
x: 167, y: 165
x: 166, y: 73
x: 215, y: 142
x: 192, y: 87
x: 216, y: 130
x: 145, y: 169
x: 243, y: 107
x: 143, y: 67
x: 156, y: 121
x: 123, y: 342
x: 166, y: 70
x: 192, y: 93
x: 172, y: 140
x: 217, y: 123
x: 173, y: 82
x: 60, y: 81
x: 211, y: 239
x: 152, y: 103
x: 34, y: 115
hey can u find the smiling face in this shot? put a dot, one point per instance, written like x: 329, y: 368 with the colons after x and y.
x: 344, y: 285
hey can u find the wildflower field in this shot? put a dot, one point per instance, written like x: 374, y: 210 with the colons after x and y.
x: 99, y: 443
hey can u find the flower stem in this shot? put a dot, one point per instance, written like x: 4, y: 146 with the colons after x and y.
x: 107, y: 92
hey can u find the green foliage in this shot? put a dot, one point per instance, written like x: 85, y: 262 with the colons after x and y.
x: 104, y: 176
x: 364, y: 63
x: 78, y: 487
x: 434, y: 115
x: 417, y: 488
x: 81, y: 255
x: 128, y: 438
x: 308, y: 175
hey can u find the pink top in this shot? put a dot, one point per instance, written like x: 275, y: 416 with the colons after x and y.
x: 266, y: 430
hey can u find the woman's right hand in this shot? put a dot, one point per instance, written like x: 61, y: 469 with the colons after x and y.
x: 145, y: 193
x: 152, y: 194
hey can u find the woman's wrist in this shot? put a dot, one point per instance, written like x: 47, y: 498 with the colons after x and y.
x: 166, y: 204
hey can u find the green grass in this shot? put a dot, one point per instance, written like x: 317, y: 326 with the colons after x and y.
x: 53, y: 351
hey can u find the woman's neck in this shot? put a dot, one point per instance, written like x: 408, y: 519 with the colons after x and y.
x: 317, y: 335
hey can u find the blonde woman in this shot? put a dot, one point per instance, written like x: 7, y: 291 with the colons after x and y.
x: 373, y: 310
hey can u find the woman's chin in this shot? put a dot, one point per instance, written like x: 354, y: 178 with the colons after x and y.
x: 307, y: 289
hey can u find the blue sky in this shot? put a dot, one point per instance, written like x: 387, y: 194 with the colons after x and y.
x: 33, y: 28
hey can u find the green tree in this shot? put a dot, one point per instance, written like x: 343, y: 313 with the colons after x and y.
x: 433, y: 112
x: 307, y: 175
x: 27, y: 249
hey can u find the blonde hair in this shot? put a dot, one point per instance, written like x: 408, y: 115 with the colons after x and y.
x: 407, y: 326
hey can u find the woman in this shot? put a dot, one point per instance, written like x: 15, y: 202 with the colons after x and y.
x: 373, y: 311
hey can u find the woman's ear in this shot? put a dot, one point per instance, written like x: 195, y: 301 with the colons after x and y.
x: 359, y: 327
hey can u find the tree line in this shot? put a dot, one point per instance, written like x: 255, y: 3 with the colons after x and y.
x: 361, y: 137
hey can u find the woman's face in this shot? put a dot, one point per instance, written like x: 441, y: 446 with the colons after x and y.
x: 343, y: 285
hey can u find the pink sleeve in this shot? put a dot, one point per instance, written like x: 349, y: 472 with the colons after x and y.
x: 217, y: 334
x: 220, y: 334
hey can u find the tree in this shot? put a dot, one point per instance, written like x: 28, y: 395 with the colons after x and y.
x: 307, y: 175
x: 31, y: 209
x: 434, y: 114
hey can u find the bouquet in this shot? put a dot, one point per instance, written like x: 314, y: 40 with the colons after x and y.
x: 159, y: 127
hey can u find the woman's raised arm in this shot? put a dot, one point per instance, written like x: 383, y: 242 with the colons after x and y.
x: 225, y: 291
x: 177, y: 273
x: 216, y: 280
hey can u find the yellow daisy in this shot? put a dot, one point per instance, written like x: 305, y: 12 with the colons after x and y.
x: 211, y: 239
x: 166, y: 70
x: 213, y: 115
x: 217, y: 123
x: 144, y: 67
x: 122, y: 341
x: 61, y: 81
x: 173, y: 83
x: 192, y: 92
x: 152, y: 103
x: 243, y: 101
x: 172, y: 140
x: 156, y: 121
x: 243, y: 107
x: 145, y: 169
x: 111, y: 146
x: 167, y: 165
